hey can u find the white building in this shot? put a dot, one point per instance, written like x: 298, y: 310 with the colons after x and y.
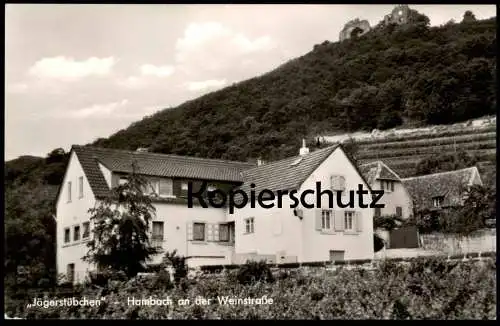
x: 396, y: 199
x: 213, y: 235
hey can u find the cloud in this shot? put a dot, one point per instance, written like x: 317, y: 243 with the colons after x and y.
x: 208, y: 48
x: 158, y: 71
x: 132, y: 82
x: 68, y: 69
x: 98, y: 110
x: 207, y: 84
x: 17, y: 88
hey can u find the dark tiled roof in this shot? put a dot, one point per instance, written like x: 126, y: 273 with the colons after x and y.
x: 450, y: 185
x: 154, y: 164
x: 283, y: 175
x: 377, y: 170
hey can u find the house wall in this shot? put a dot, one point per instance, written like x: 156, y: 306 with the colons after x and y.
x: 176, y: 219
x: 392, y: 199
x: 276, y: 234
x: 317, y: 244
x: 69, y: 214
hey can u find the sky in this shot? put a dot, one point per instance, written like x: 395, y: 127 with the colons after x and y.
x: 77, y: 72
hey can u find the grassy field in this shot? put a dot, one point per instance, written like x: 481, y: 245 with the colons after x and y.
x: 424, y: 288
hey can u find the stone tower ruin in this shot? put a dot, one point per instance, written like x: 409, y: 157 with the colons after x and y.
x: 354, y: 28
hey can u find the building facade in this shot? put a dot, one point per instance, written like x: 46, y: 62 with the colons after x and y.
x: 212, y: 235
x: 396, y: 198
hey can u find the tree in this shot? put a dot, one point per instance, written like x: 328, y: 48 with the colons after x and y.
x: 351, y: 148
x: 120, y: 228
x: 469, y: 17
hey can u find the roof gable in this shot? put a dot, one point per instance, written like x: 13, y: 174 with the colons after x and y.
x: 377, y: 170
x: 285, y: 174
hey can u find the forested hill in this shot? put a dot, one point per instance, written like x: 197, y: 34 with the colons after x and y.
x: 412, y: 74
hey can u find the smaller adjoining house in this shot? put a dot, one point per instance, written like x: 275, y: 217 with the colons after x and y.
x: 442, y: 190
x: 396, y: 198
x: 397, y: 202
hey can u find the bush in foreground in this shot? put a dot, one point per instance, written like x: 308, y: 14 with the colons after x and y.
x: 420, y: 289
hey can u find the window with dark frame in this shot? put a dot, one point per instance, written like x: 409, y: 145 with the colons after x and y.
x: 224, y: 232
x: 199, y: 231
x: 69, y: 191
x: 326, y: 219
x: 80, y: 187
x: 249, y: 225
x: 67, y: 235
x: 70, y: 272
x: 348, y: 221
x: 76, y: 233
x: 86, y: 230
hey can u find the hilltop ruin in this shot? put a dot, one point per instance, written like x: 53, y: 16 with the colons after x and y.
x: 356, y: 27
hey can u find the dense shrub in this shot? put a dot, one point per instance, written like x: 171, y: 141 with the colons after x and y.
x: 254, y: 271
x: 421, y: 289
x: 178, y: 263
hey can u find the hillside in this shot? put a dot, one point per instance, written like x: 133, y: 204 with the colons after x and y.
x: 407, y: 150
x: 410, y: 74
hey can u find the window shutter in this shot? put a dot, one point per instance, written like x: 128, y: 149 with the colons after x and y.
x: 190, y: 231
x: 341, y: 183
x: 338, y: 217
x: 216, y: 232
x: 359, y: 222
x: 208, y: 232
x: 317, y: 213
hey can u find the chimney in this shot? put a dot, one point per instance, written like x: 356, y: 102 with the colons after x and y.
x: 303, y: 150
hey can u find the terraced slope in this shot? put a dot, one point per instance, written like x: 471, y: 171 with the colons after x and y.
x: 403, y: 153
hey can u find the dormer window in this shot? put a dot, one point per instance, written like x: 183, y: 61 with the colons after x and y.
x: 437, y: 201
x: 166, y: 187
x: 387, y: 185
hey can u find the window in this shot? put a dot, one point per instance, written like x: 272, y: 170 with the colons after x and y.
x: 399, y: 211
x: 157, y: 234
x: 199, y: 231
x: 326, y: 219
x: 76, y: 233
x: 337, y: 183
x: 337, y: 255
x: 348, y: 221
x: 388, y: 185
x: 166, y: 187
x: 70, y: 272
x: 67, y: 235
x: 224, y: 232
x: 249, y: 225
x: 80, y: 187
x: 86, y: 230
x: 378, y: 211
x: 122, y: 181
x: 184, y: 186
x: 69, y: 191
x: 437, y: 201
